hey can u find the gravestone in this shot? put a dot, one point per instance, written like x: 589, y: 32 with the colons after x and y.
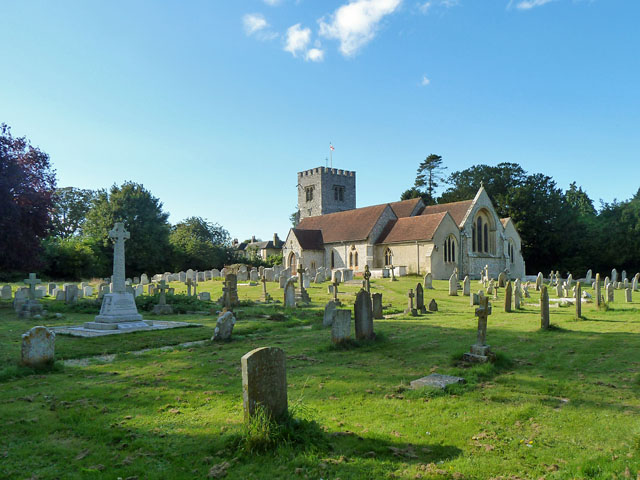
x: 410, y: 308
x: 480, y: 352
x: 634, y: 282
x: 215, y: 273
x: 71, y: 294
x: 544, y: 308
x: 30, y: 307
x: 433, y: 306
x: 162, y: 308
x: 588, y: 277
x: 392, y: 270
x: 334, y: 291
x: 539, y: 281
x: 283, y: 280
x: 204, y: 296
x: 336, y: 276
x: 290, y: 294
x: 38, y: 347
x: 598, y: 291
x: 224, y: 327
x: 623, y: 275
x: 428, y: 281
x: 191, y: 274
x: 264, y: 383
x: 118, y: 306
x: 50, y: 288
x: 508, y: 292
x: 559, y: 291
x: 266, y: 298
x: 341, y: 326
x: 230, y: 291
x: 367, y: 276
x: 19, y: 299
x: 253, y: 275
x: 610, y: 293
x: 628, y: 296
x: 5, y: 293
x: 419, y: 300
x: 436, y: 380
x: 319, y: 277
x: 578, y: 301
x: 200, y: 277
x: 151, y: 289
x: 87, y: 291
x: 453, y: 285
x: 302, y: 296
x: 569, y: 281
x: 474, y: 298
x: 525, y: 291
x: 466, y: 286
x: 363, y: 316
x: 59, y: 295
x: 502, y: 280
x: 144, y: 279
x: 376, y: 305
x: 329, y: 313
x: 517, y: 295
x: 614, y: 276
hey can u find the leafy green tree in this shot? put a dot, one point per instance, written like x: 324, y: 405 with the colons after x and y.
x: 70, y: 207
x: 413, y: 192
x: 148, y: 250
x: 71, y: 258
x: 430, y: 173
x: 27, y: 183
x: 199, y: 244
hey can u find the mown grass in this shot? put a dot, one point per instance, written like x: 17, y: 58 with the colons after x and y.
x: 556, y: 404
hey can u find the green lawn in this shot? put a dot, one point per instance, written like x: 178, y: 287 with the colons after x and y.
x: 563, y: 403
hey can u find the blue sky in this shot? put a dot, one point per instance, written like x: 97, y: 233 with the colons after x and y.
x: 215, y: 105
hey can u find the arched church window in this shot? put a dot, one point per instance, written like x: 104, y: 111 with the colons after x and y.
x: 333, y: 259
x: 388, y: 257
x: 450, y: 249
x: 483, y: 234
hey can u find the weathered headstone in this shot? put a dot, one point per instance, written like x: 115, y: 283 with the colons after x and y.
x: 204, y: 296
x: 367, y: 277
x: 30, y: 307
x: 598, y: 291
x: 539, y: 281
x: 428, y: 281
x: 363, y: 316
x: 614, y: 276
x: 517, y: 295
x: 628, y: 296
x: 502, y: 280
x: 433, y: 306
x: 290, y: 294
x: 71, y: 294
x: 508, y: 292
x: 38, y: 347
x: 341, y: 326
x: 376, y: 305
x: 453, y: 285
x: 224, y: 327
x: 544, y: 308
x: 419, y: 300
x: 329, y: 313
x: 264, y: 383
x: 610, y: 293
x: 466, y: 286
x: 588, y: 277
x: 5, y: 293
x: 87, y: 291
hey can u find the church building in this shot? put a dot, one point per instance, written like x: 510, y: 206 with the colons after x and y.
x: 334, y: 234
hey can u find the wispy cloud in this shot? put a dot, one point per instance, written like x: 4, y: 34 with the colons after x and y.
x: 425, y: 81
x: 315, y: 55
x: 297, y: 39
x: 424, y: 7
x: 272, y: 3
x: 253, y: 22
x: 528, y: 4
x: 356, y: 23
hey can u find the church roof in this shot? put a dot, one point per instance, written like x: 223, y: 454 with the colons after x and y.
x: 410, y: 229
x: 347, y: 226
x: 309, y: 239
x: 458, y: 210
x: 405, y: 208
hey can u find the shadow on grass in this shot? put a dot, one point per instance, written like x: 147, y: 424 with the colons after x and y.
x: 13, y: 372
x: 350, y: 344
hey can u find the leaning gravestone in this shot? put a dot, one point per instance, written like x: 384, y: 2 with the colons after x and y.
x: 428, y: 281
x: 329, y: 313
x: 376, y: 305
x: 224, y: 327
x: 544, y: 308
x: 453, y: 285
x: 341, y: 327
x: 264, y: 383
x: 290, y: 294
x: 363, y: 316
x: 38, y: 347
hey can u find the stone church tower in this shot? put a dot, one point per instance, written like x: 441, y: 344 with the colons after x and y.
x: 324, y: 190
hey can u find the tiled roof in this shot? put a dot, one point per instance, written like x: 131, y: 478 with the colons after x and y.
x: 410, y: 229
x: 309, y: 239
x: 347, y: 226
x: 457, y: 210
x: 404, y: 208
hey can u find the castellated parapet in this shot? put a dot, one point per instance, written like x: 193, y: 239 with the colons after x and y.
x: 324, y: 190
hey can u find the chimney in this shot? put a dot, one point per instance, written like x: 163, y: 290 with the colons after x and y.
x: 275, y: 239
x: 253, y: 239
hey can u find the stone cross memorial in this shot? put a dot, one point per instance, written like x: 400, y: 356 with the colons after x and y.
x: 119, y: 306
x: 31, y: 306
x: 410, y: 309
x: 162, y: 308
x: 264, y: 383
x: 480, y: 352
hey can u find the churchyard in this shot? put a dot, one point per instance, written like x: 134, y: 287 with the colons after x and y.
x: 555, y: 403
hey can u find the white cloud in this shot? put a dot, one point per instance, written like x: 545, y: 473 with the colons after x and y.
x: 450, y: 3
x: 272, y: 3
x: 425, y: 7
x: 297, y: 39
x: 254, y: 22
x: 315, y: 55
x: 355, y: 24
x: 425, y: 81
x: 529, y: 4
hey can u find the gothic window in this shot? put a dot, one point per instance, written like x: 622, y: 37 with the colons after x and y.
x: 353, y: 257
x: 388, y: 257
x: 483, y: 234
x: 338, y: 193
x: 450, y: 249
x: 313, y: 265
x: 512, y: 255
x: 309, y: 193
x: 333, y: 259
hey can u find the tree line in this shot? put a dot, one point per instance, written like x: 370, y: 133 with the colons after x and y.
x: 560, y: 229
x: 62, y: 233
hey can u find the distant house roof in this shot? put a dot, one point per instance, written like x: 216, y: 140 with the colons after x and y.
x: 309, y: 239
x: 347, y: 226
x: 410, y: 229
x: 457, y: 210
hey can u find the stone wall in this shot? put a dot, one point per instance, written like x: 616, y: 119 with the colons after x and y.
x: 323, y: 180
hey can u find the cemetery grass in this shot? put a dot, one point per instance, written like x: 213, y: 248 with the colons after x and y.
x: 557, y: 404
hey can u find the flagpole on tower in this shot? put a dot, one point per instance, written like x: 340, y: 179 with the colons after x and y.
x: 331, y: 149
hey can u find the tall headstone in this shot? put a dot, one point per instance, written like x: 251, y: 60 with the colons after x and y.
x: 410, y: 308
x: 539, y: 281
x: 290, y: 294
x: 419, y: 299
x: 363, y: 316
x: 118, y: 306
x: 569, y: 281
x: 466, y: 286
x: 376, y: 305
x: 628, y: 296
x: 589, y: 277
x: 341, y: 326
x: 614, y: 276
x: 508, y: 292
x: 544, y: 308
x: 329, y: 313
x: 502, y: 280
x: 480, y: 352
x: 598, y: 291
x: 428, y: 281
x: 517, y: 294
x: 38, y: 347
x: 578, y: 300
x: 610, y: 293
x: 453, y: 285
x: 266, y: 298
x: 264, y: 383
x: 623, y: 275
x: 367, y: 276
